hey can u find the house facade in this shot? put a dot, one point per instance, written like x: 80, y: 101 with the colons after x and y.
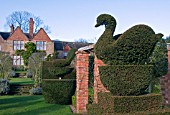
x: 16, y: 38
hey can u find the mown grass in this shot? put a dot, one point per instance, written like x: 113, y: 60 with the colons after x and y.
x: 21, y: 81
x: 30, y: 105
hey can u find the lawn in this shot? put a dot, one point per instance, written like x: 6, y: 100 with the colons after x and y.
x: 30, y: 105
x: 21, y: 81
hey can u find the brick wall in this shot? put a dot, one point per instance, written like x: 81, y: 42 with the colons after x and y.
x: 98, y: 86
x: 82, y: 81
x: 165, y: 83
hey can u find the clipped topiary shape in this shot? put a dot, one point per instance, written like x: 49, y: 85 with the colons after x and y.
x: 126, y: 80
x: 132, y: 47
x: 126, y: 56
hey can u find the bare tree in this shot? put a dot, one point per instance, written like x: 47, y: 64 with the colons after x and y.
x: 35, y: 65
x: 82, y: 40
x: 21, y: 18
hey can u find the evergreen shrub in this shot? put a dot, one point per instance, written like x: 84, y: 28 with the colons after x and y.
x: 124, y: 80
x: 109, y: 104
x: 58, y: 91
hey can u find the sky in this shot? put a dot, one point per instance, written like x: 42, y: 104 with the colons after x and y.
x: 70, y: 20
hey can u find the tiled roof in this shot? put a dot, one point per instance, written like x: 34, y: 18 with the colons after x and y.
x: 5, y: 35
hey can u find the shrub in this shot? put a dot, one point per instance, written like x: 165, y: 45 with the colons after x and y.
x: 71, y: 55
x: 35, y: 91
x: 124, y: 80
x: 56, y: 69
x: 134, y: 46
x: 58, y: 91
x: 109, y: 104
x: 4, y: 86
x: 73, y: 100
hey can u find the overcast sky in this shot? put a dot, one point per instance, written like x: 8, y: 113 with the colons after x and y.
x: 74, y: 19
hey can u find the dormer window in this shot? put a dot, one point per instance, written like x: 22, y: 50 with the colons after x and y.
x: 40, y: 45
x: 18, y: 45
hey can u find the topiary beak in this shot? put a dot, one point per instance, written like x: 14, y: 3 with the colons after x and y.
x: 97, y: 25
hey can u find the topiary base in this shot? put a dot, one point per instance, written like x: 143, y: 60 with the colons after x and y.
x: 109, y: 104
x: 58, y: 91
x: 126, y: 80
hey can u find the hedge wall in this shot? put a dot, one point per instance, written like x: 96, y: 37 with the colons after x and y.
x: 58, y: 91
x: 109, y: 104
x: 122, y: 80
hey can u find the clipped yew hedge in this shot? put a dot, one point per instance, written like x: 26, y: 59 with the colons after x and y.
x: 134, y: 46
x: 144, y: 104
x: 123, y: 80
x: 58, y: 91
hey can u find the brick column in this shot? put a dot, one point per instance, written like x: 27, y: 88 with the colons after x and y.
x: 98, y: 86
x: 165, y: 82
x: 82, y: 81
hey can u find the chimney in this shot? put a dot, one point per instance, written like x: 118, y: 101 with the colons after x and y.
x: 12, y: 28
x: 31, y: 27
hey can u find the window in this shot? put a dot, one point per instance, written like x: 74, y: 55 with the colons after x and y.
x: 18, y: 60
x: 18, y: 45
x: 40, y: 45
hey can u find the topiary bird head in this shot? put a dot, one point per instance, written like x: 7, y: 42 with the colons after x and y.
x: 107, y: 20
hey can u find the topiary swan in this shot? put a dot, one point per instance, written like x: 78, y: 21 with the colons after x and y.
x: 134, y: 46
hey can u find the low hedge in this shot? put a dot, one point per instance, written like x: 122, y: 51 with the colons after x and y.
x: 109, y: 104
x: 58, y: 91
x: 123, y: 80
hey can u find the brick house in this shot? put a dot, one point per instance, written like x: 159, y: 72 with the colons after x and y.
x: 16, y: 38
x: 63, y: 47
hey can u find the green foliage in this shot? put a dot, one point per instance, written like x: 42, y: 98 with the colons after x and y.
x: 159, y: 59
x: 57, y: 69
x: 167, y: 39
x: 5, y: 65
x: 73, y: 100
x: 132, y: 47
x: 124, y: 80
x: 52, y: 57
x: 71, y: 55
x: 109, y: 104
x: 30, y: 49
x: 91, y: 71
x: 35, y: 65
x: 58, y: 91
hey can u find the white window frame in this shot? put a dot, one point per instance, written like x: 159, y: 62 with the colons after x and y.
x: 40, y: 45
x: 18, y: 44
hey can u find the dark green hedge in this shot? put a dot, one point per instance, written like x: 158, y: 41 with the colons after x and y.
x: 124, y: 80
x: 71, y: 55
x: 56, y: 69
x: 58, y: 91
x: 71, y: 75
x: 134, y: 46
x: 109, y: 104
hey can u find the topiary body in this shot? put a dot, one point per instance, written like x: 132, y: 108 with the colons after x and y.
x: 124, y: 54
x: 132, y: 47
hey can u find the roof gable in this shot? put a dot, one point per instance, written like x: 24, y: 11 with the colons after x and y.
x: 42, y: 36
x: 5, y: 35
x: 18, y: 35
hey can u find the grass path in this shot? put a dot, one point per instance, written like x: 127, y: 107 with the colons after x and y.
x: 21, y: 81
x: 30, y: 105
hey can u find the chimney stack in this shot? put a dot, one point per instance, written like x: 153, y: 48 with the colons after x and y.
x: 12, y: 28
x: 31, y: 27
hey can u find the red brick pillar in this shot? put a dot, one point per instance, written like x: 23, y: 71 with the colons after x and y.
x: 165, y: 82
x: 82, y: 65
x: 98, y: 86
